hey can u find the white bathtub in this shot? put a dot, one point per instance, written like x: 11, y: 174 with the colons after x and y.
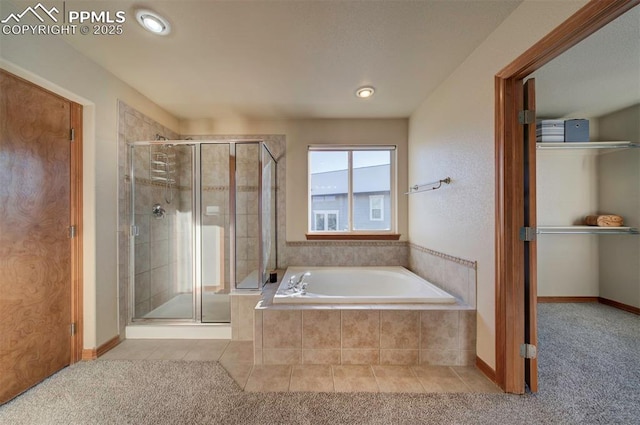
x: 359, y: 285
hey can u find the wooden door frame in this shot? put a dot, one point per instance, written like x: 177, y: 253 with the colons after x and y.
x: 76, y: 211
x: 77, y: 340
x: 510, y: 309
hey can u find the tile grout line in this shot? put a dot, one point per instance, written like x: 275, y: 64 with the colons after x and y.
x: 420, y: 338
x: 290, y: 378
x: 301, y: 336
x: 340, y: 335
x: 462, y: 380
x: 375, y: 377
x: 415, y: 375
x: 333, y: 378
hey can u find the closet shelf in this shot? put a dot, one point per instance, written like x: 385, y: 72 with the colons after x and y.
x: 586, y: 230
x: 587, y: 145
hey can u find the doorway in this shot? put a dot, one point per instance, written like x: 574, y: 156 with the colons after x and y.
x: 511, y: 298
x: 40, y: 234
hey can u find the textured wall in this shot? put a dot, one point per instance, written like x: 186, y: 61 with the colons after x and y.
x: 47, y: 61
x: 452, y: 134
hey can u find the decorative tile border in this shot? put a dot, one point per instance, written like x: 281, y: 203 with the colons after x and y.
x: 215, y: 188
x: 147, y: 182
x: 462, y: 261
x: 346, y: 243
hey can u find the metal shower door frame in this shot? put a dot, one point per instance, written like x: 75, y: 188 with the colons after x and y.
x: 196, y: 204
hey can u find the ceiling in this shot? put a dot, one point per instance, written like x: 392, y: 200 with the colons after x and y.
x: 599, y: 75
x: 292, y: 59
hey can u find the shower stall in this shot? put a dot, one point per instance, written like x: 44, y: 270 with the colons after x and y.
x: 203, y: 224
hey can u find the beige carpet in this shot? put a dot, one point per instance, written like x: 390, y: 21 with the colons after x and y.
x: 589, y: 374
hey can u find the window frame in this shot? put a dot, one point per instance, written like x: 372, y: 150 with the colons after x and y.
x: 379, y: 198
x: 326, y: 219
x: 350, y: 233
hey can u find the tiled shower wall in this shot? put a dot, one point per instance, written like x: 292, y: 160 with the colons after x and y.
x: 161, y: 266
x: 132, y: 126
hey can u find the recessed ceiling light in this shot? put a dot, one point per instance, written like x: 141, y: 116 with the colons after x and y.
x: 366, y: 91
x: 153, y: 22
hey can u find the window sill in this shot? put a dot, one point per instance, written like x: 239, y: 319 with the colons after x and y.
x: 353, y: 237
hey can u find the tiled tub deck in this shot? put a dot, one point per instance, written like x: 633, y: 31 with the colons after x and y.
x: 407, y: 334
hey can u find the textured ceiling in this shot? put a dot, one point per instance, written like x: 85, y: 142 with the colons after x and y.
x: 274, y: 59
x: 599, y: 75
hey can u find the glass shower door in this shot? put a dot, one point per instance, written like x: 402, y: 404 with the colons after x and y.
x: 162, y: 243
x: 215, y: 232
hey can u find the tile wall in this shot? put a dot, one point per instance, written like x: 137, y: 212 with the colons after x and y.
x: 455, y: 275
x: 338, y: 253
x: 134, y: 126
x: 365, y: 336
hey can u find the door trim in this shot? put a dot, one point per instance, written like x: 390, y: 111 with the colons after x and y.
x: 77, y: 340
x: 509, y: 165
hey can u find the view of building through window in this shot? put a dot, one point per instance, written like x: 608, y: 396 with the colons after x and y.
x: 337, y: 207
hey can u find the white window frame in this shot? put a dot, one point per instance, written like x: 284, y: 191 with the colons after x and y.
x: 393, y: 192
x: 326, y: 219
x: 372, y: 199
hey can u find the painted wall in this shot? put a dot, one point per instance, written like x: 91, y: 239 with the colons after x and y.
x: 303, y: 132
x: 50, y: 62
x: 567, y: 191
x: 452, y: 134
x: 619, y: 193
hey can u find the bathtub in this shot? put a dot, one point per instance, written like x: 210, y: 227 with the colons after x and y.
x: 359, y: 285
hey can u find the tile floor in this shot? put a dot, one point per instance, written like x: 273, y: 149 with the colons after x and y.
x: 237, y: 358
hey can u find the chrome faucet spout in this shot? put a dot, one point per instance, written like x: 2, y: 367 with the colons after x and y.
x: 301, y: 285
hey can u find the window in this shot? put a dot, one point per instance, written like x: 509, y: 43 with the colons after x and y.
x: 351, y: 189
x: 325, y: 221
x: 376, y: 207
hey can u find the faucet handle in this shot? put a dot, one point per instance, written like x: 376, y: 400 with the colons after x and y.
x: 291, y: 284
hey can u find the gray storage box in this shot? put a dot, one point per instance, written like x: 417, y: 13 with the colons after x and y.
x: 550, y: 131
x: 576, y: 130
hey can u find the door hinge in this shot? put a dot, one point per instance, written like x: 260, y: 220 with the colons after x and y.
x: 527, y: 116
x: 135, y: 230
x: 528, y: 351
x: 527, y: 234
x: 73, y: 329
x: 72, y: 232
x: 72, y: 134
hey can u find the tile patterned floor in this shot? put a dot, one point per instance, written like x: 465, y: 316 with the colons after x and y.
x: 237, y: 358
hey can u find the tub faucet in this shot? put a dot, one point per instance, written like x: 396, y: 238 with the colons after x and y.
x: 300, y: 285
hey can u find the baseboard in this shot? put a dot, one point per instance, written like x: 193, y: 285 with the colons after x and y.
x: 567, y: 299
x: 89, y: 354
x: 621, y: 306
x: 108, y: 345
x: 486, y: 369
x: 94, y: 353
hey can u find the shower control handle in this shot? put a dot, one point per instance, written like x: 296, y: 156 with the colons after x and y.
x: 158, y: 211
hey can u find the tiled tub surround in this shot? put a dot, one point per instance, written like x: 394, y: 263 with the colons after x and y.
x: 407, y: 334
x: 455, y: 275
x: 347, y: 253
